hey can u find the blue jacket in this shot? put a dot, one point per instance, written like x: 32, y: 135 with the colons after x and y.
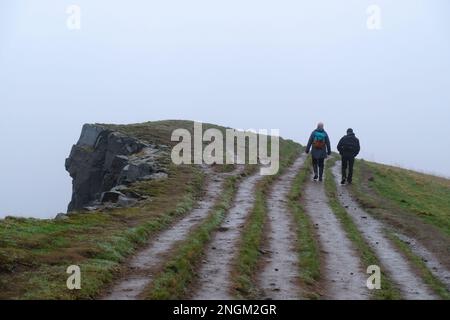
x: 319, y: 153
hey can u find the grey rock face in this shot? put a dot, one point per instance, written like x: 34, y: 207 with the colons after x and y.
x: 89, y: 135
x: 111, y: 196
x: 103, y: 159
x: 61, y: 216
x: 155, y: 176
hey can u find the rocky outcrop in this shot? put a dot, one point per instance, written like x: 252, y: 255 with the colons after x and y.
x: 104, y: 162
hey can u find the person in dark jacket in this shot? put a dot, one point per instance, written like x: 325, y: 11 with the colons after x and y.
x: 320, y: 147
x: 349, y: 148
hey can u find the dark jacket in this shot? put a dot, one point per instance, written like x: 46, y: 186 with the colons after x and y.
x: 349, y: 146
x: 319, y: 153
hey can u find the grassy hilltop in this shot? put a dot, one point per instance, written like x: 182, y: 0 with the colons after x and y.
x: 34, y: 254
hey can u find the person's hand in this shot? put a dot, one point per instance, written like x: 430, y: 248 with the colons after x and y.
x: 306, y: 151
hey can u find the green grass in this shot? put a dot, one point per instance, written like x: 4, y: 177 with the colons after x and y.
x: 173, y: 281
x: 308, y: 248
x: 248, y: 255
x: 358, y: 188
x: 411, y: 203
x: 159, y: 132
x: 368, y: 256
x: 425, y: 196
x: 34, y: 254
x: 246, y: 262
x: 434, y: 283
x: 179, y: 272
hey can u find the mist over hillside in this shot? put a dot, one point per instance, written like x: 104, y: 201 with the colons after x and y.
x: 141, y: 227
x: 283, y: 66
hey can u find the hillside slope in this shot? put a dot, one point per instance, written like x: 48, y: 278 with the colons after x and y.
x: 416, y: 210
x: 34, y: 254
x: 283, y: 236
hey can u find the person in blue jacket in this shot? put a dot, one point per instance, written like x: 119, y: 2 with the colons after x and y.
x: 320, y: 147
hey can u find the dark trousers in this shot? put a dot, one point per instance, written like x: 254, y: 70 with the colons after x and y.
x: 318, y: 165
x: 347, y: 162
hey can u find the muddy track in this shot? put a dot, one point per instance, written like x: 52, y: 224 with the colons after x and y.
x: 279, y: 278
x: 143, y: 266
x: 423, y: 239
x: 429, y: 258
x: 343, y: 276
x: 397, y: 266
x: 214, y: 274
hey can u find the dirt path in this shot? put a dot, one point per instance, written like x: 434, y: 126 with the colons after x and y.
x: 398, y: 268
x: 429, y: 258
x: 279, y: 277
x: 343, y: 275
x: 214, y: 274
x: 145, y: 263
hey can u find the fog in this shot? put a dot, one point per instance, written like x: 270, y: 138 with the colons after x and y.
x: 246, y: 64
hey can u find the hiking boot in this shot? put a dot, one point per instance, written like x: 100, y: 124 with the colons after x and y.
x: 343, y: 181
x: 349, y: 182
x: 320, y: 179
x: 316, y: 177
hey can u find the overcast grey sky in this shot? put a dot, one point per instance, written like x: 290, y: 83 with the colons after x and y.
x: 283, y: 64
